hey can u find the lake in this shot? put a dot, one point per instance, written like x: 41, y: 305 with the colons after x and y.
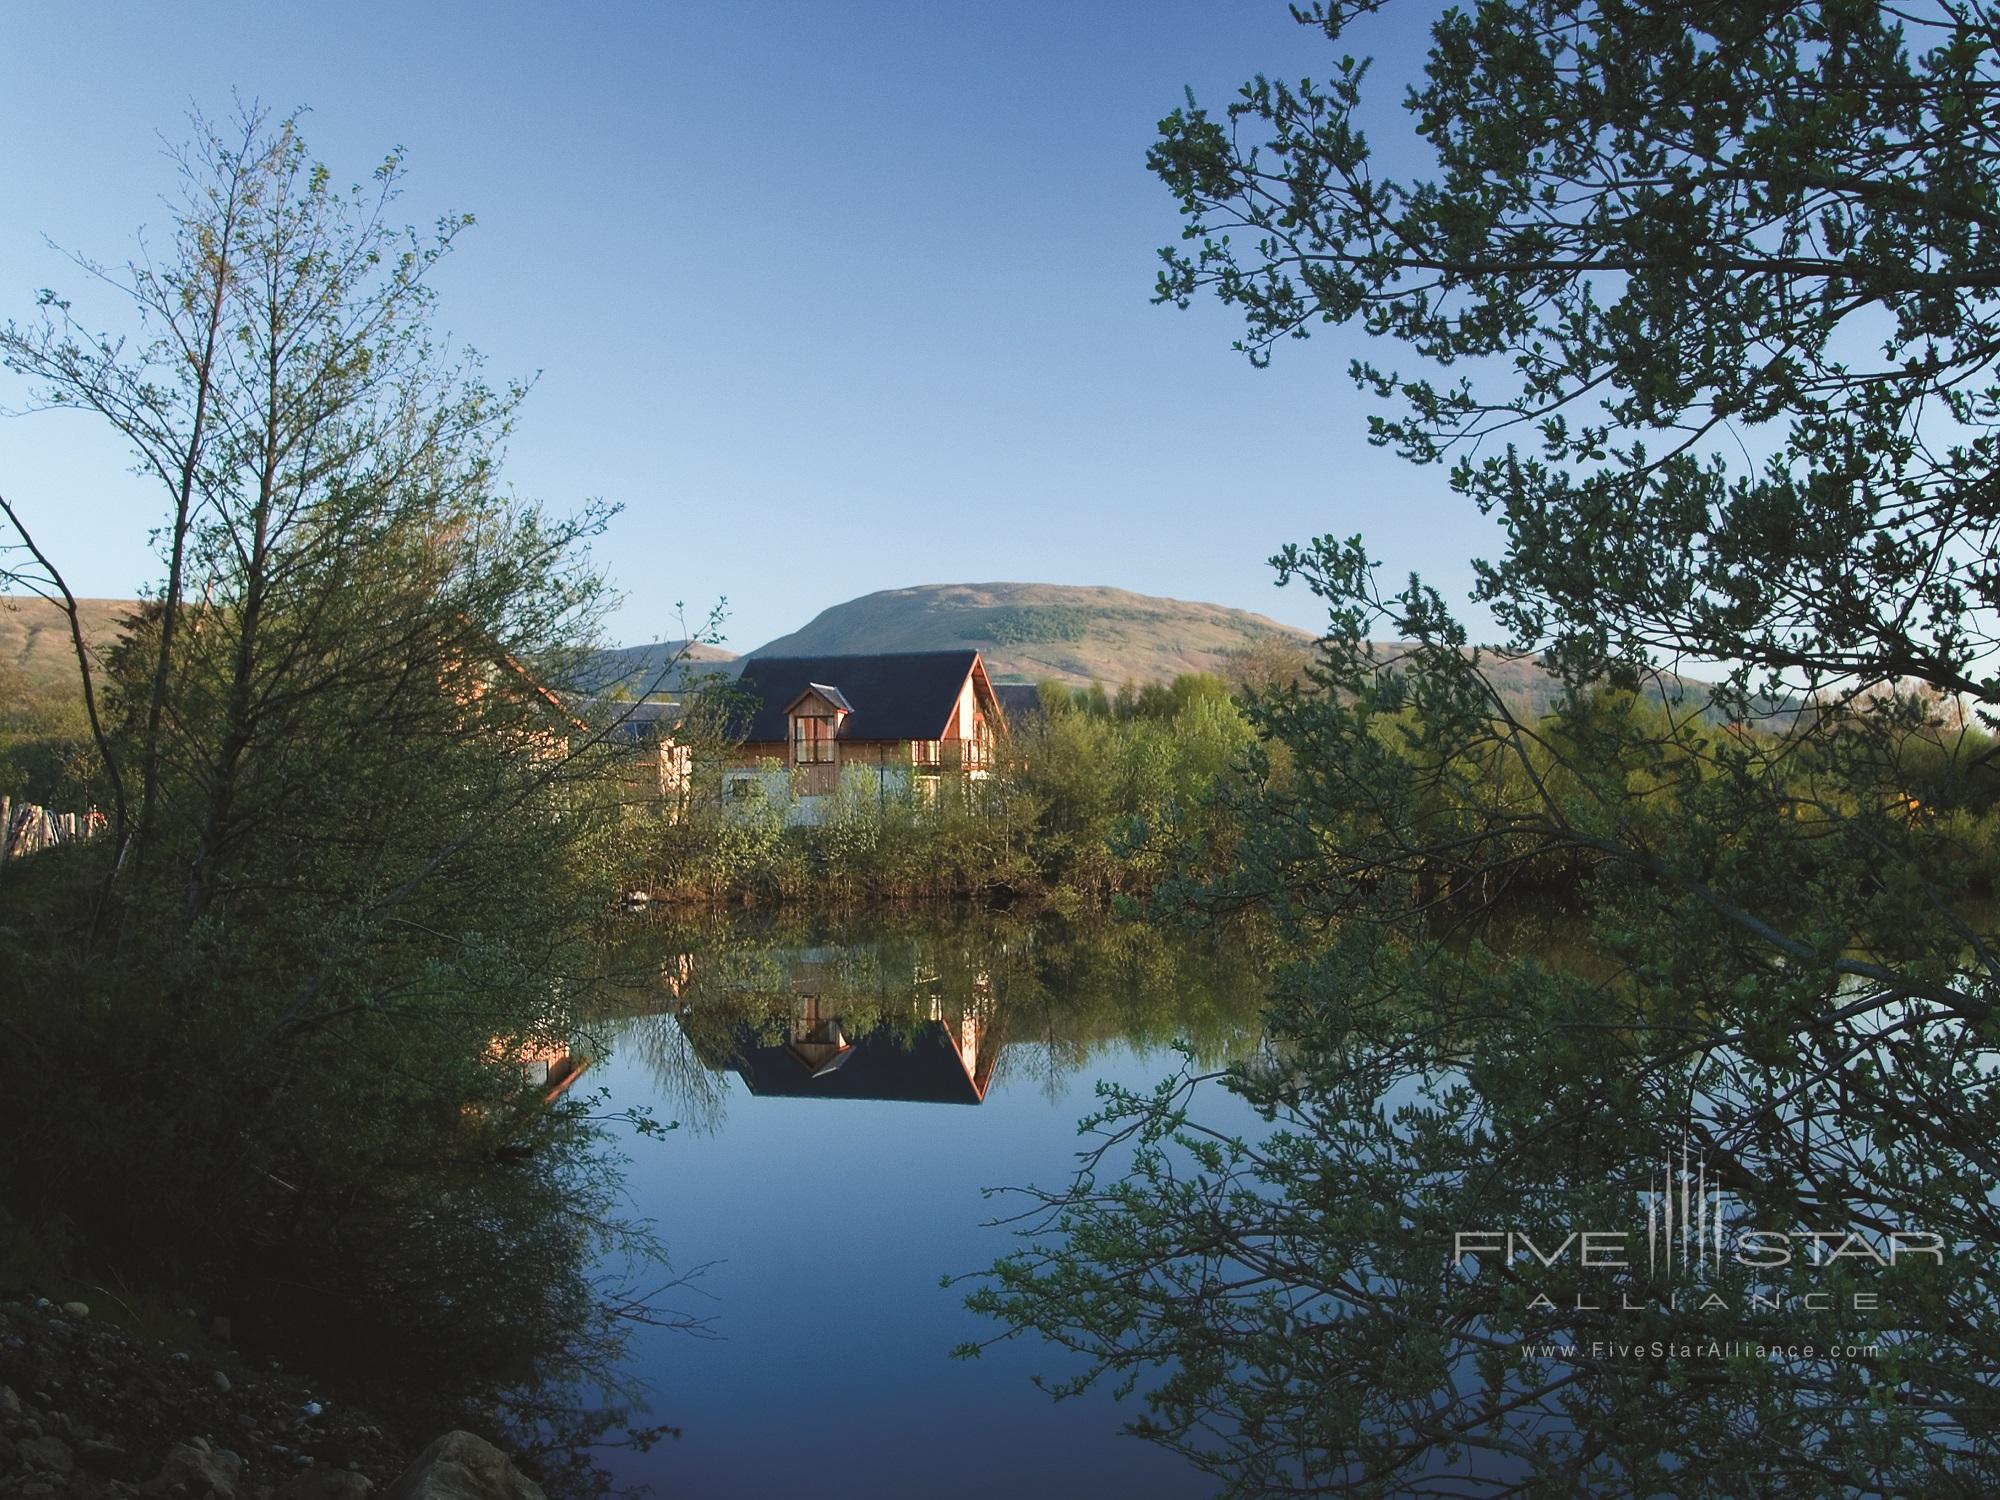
x: 844, y: 1092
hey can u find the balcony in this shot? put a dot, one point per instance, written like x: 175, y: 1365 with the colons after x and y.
x: 815, y: 780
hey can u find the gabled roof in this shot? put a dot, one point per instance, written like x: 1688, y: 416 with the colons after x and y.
x: 898, y: 695
x: 827, y: 691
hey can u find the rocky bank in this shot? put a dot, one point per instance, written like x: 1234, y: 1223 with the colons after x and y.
x: 88, y: 1412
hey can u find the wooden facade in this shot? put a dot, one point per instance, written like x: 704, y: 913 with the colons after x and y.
x: 924, y: 714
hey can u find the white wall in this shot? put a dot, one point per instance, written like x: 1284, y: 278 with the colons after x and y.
x: 883, y: 781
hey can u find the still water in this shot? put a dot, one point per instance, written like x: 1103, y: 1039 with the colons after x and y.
x: 844, y: 1093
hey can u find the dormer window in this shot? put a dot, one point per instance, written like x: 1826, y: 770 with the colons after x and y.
x: 812, y: 739
x: 816, y: 714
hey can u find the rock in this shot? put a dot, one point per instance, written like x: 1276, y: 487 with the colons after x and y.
x: 77, y: 1309
x: 460, y: 1466
x: 104, y: 1458
x: 10, y: 1404
x: 220, y: 1381
x: 198, y: 1473
x: 48, y: 1453
x: 326, y: 1484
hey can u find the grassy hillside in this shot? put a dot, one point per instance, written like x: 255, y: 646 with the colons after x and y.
x: 1030, y: 631
x: 35, y: 643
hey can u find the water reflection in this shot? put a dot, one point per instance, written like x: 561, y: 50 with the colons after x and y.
x: 1547, y: 1232
x: 809, y: 1062
x: 919, y: 1010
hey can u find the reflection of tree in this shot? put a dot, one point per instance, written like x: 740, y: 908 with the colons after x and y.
x: 509, y: 1294
x: 1292, y: 1304
x: 695, y: 1094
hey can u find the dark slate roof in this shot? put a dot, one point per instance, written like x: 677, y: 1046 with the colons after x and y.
x: 899, y: 695
x: 1020, y: 702
x: 920, y: 1069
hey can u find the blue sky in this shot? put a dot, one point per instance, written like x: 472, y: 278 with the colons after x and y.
x: 831, y: 298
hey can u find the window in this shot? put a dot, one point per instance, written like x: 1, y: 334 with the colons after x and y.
x: 927, y: 754
x: 812, y: 740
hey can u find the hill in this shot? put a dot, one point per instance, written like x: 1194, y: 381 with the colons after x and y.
x: 34, y: 641
x: 635, y: 668
x: 1030, y: 631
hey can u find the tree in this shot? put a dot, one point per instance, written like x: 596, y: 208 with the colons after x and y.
x: 1659, y: 235
x: 1540, y: 961
x: 369, y: 843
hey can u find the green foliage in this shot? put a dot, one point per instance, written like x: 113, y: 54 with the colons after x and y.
x: 47, y: 755
x: 1651, y: 230
x: 1027, y: 624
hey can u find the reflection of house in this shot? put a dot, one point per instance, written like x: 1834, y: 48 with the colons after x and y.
x: 901, y: 717
x: 551, y: 1066
x: 547, y: 1065
x: 932, y: 1062
x: 935, y: 1052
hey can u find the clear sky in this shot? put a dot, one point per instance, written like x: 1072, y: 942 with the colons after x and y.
x: 830, y: 297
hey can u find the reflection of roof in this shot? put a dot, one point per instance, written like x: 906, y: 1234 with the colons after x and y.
x: 903, y: 695
x: 920, y: 1069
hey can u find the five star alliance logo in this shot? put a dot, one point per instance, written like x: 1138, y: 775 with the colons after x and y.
x: 1684, y: 1218
x: 1693, y: 1230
